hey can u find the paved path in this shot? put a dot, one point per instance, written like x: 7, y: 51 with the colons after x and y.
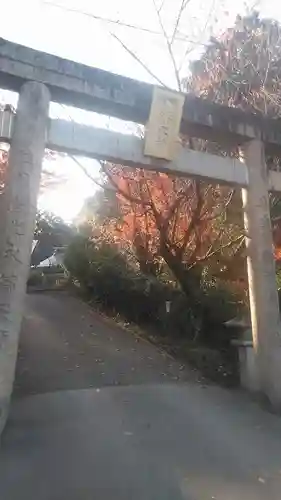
x: 66, y: 345
x: 154, y: 439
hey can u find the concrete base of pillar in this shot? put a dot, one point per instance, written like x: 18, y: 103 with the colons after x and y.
x: 247, y: 365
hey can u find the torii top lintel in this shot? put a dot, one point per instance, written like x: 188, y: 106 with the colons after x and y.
x: 94, y: 89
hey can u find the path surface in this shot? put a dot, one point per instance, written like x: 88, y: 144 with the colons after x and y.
x: 66, y: 345
x: 153, y: 439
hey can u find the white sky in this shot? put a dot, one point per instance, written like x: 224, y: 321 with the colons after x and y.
x: 80, y: 37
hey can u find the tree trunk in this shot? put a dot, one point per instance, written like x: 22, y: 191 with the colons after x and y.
x: 18, y: 217
x: 183, y: 276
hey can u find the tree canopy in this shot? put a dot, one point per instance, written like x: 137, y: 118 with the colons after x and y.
x: 242, y: 68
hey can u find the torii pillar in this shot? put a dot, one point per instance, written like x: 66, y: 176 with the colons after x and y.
x: 265, y: 316
x: 18, y: 211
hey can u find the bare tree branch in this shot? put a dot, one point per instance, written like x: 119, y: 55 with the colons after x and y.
x: 117, y: 188
x: 192, y: 256
x: 161, y: 6
x: 194, y: 219
x: 85, y: 171
x: 230, y: 243
x: 114, y: 187
x: 188, y: 50
x: 178, y: 19
x: 226, y: 204
x: 139, y: 60
x: 175, y: 206
x: 169, y: 46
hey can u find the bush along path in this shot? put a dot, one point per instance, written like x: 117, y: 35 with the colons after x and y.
x: 190, y: 328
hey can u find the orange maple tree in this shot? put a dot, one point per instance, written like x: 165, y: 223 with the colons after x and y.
x: 164, y: 217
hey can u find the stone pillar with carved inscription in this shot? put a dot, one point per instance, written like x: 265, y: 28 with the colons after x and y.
x: 18, y: 211
x: 265, y: 316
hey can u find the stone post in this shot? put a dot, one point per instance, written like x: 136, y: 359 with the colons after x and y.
x: 17, y: 225
x: 261, y: 275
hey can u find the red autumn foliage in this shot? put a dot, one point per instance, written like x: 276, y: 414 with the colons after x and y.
x: 176, y: 219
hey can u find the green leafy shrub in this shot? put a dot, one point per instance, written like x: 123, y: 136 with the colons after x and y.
x: 105, y: 274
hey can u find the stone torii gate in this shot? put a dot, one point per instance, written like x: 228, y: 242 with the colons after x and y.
x: 39, y: 78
